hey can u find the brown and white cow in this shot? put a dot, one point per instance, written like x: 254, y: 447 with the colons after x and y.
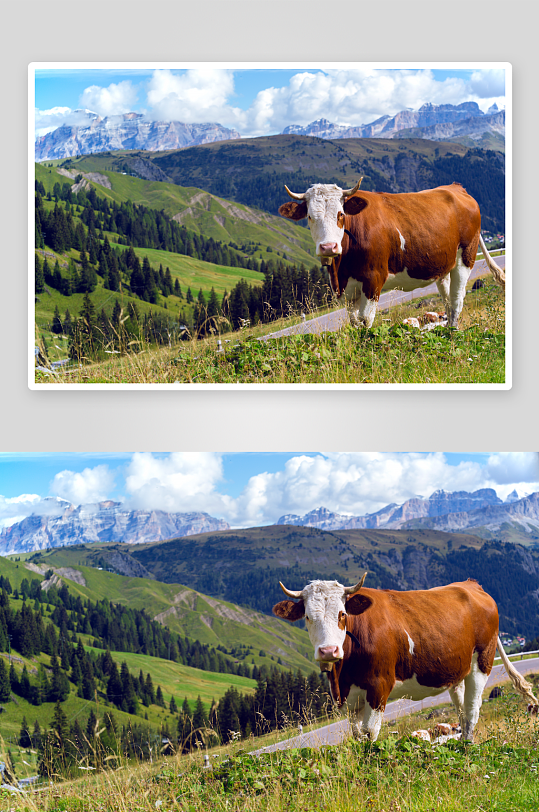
x: 383, y: 644
x: 371, y: 242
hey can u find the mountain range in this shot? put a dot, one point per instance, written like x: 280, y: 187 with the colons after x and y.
x: 481, y: 512
x: 433, y: 122
x: 127, y: 131
x: 102, y: 522
x: 133, y: 131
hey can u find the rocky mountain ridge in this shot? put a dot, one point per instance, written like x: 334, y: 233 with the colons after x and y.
x: 134, y: 131
x: 102, y: 522
x: 459, y: 511
x: 129, y: 131
x: 433, y: 122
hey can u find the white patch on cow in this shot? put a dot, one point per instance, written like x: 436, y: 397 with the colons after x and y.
x: 323, y: 601
x: 372, y: 722
x: 363, y: 316
x: 411, y: 689
x: 457, y: 697
x: 403, y: 281
x: 459, y: 274
x: 421, y: 734
x: 403, y: 242
x: 365, y: 721
x: 474, y: 685
x: 443, y: 289
x: 324, y: 202
x: 410, y: 643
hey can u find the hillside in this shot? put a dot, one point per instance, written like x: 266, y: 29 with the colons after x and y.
x: 197, y: 210
x: 186, y: 611
x: 161, y: 263
x: 245, y: 566
x: 253, y: 171
x: 85, y: 674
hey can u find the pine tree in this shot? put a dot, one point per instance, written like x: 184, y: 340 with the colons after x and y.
x: 36, y: 736
x: 39, y: 277
x: 67, y: 326
x: 200, y: 718
x: 5, y: 686
x: 24, y: 735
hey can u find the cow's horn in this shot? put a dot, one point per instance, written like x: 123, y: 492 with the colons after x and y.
x: 348, y: 192
x: 351, y: 590
x: 290, y: 592
x: 293, y: 195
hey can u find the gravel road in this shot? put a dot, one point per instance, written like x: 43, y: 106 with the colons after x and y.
x: 338, y: 318
x: 338, y: 731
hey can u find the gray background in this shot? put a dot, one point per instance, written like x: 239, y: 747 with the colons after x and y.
x: 266, y: 31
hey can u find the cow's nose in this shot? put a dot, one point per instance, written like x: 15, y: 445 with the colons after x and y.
x: 328, y: 248
x: 328, y: 652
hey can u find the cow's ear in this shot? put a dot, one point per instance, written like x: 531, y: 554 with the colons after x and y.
x: 357, y: 604
x: 293, y: 210
x: 289, y: 610
x: 353, y: 205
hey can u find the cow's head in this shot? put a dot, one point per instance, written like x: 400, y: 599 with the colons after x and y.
x: 323, y: 604
x: 325, y: 204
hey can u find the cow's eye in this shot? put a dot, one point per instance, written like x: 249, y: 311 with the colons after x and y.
x: 307, y: 617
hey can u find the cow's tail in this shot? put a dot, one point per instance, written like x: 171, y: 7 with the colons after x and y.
x: 520, y: 684
x: 496, y: 271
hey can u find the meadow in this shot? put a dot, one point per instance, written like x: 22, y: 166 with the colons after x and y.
x: 398, y: 773
x: 389, y: 353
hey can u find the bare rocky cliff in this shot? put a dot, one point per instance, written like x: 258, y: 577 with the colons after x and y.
x: 102, y: 522
x: 130, y: 131
x: 482, y: 512
x: 431, y: 121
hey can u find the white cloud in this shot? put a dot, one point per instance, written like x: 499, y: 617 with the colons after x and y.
x: 86, y: 487
x: 16, y: 508
x: 487, y: 84
x: 343, y: 96
x: 360, y: 96
x: 110, y: 101
x: 359, y: 483
x: 48, y: 120
x: 352, y: 483
x: 197, y: 96
x: 180, y: 482
x: 513, y: 470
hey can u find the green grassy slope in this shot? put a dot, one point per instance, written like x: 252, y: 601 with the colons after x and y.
x: 197, y: 210
x: 195, y: 615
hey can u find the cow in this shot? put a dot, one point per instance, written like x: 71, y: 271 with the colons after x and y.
x: 371, y: 242
x: 385, y: 644
x: 421, y: 734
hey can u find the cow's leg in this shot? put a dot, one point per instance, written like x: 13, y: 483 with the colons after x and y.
x: 372, y: 722
x: 457, y: 697
x: 356, y: 722
x: 460, y: 274
x: 363, y: 316
x: 474, y: 685
x: 361, y: 309
x: 443, y: 289
x: 355, y: 705
x: 365, y: 720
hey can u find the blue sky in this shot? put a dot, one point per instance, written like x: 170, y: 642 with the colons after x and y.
x: 253, y: 488
x: 257, y: 101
